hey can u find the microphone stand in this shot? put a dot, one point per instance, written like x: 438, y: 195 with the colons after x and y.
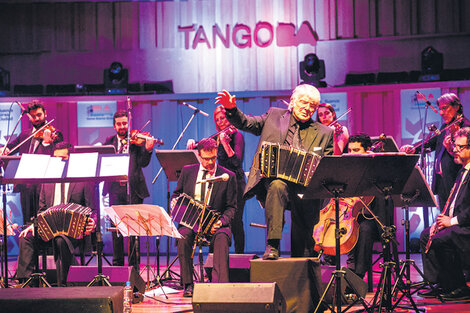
x: 423, y: 163
x: 167, y: 272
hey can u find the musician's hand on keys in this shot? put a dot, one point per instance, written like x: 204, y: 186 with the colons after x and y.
x: 226, y: 99
x: 173, y: 203
x: 27, y: 230
x: 90, y: 226
x: 408, y: 149
x: 443, y: 221
x: 216, y: 226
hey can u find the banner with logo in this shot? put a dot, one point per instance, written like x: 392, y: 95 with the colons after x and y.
x: 95, y: 113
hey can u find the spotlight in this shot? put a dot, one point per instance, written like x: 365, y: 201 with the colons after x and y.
x: 116, y: 79
x: 312, y: 70
x: 432, y: 64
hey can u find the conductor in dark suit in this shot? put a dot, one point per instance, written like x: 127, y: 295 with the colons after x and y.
x: 63, y: 246
x: 222, y: 198
x: 442, y: 263
x: 118, y: 194
x: 293, y: 127
x: 42, y: 143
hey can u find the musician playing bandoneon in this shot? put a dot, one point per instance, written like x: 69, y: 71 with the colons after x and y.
x: 222, y: 197
x: 50, y: 195
x: 294, y: 127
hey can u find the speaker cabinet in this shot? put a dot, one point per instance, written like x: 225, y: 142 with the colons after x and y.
x: 240, y: 298
x: 239, y: 267
x: 118, y: 276
x: 62, y: 299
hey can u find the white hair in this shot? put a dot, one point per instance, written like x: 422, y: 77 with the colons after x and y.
x: 305, y: 90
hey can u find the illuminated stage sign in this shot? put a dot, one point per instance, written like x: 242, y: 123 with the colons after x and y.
x: 9, y: 114
x: 243, y: 36
x: 95, y: 113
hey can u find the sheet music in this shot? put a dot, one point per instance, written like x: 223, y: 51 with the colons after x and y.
x: 82, y: 164
x: 55, y: 168
x: 114, y: 165
x: 32, y: 166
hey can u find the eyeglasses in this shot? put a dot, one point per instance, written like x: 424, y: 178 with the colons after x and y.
x: 460, y: 147
x: 209, y: 158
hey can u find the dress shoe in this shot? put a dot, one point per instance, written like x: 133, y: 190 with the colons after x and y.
x: 271, y: 253
x: 458, y: 294
x: 188, y: 291
x: 430, y: 293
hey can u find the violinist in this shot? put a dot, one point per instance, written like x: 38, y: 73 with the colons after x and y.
x: 327, y: 116
x: 139, y: 158
x: 230, y: 153
x: 359, y: 258
x: 445, y: 169
x: 41, y: 143
x: 450, y: 235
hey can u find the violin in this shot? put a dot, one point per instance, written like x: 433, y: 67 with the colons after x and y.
x: 324, y: 230
x: 40, y: 133
x: 451, y: 127
x: 138, y: 138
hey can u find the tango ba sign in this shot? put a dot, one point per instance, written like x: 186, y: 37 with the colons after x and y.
x: 243, y: 36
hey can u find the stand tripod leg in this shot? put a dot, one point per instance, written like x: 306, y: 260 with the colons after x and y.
x: 322, y: 298
x: 36, y: 277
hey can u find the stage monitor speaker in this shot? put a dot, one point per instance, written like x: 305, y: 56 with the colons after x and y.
x: 239, y: 298
x: 239, y: 267
x: 118, y: 276
x: 62, y: 299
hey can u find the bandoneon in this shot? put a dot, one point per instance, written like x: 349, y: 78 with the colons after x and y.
x: 285, y: 162
x: 63, y: 219
x: 188, y: 211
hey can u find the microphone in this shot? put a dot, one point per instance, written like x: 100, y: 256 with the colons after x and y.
x: 23, y: 110
x: 426, y: 101
x: 129, y: 103
x: 223, y: 177
x: 194, y: 108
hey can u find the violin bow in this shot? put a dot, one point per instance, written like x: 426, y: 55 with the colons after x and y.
x: 30, y: 136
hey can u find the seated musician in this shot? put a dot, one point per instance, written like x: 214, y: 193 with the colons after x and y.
x: 360, y: 257
x: 293, y: 127
x: 63, y: 246
x: 222, y: 198
x: 442, y: 263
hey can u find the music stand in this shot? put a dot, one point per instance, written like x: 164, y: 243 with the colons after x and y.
x: 356, y: 175
x: 105, y: 149
x: 3, y: 164
x: 143, y: 220
x: 415, y: 193
x: 389, y: 144
x: 172, y: 161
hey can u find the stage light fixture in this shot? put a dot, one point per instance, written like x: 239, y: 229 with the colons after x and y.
x: 432, y: 64
x: 116, y: 79
x: 312, y: 70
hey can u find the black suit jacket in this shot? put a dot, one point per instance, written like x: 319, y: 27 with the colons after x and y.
x: 139, y: 158
x: 79, y: 193
x: 273, y: 127
x: 223, y: 196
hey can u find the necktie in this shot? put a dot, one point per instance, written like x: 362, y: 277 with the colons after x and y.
x: 292, y: 138
x: 203, y: 186
x: 63, y: 197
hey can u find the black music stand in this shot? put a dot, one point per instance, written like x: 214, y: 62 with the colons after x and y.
x: 172, y: 161
x: 356, y: 175
x: 415, y: 193
x: 4, y: 160
x: 105, y: 149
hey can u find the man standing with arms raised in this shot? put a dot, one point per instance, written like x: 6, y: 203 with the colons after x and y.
x: 293, y: 127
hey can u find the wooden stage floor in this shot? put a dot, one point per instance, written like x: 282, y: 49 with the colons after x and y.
x: 155, y: 302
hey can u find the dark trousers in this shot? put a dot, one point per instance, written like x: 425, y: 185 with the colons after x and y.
x: 360, y: 257
x: 442, y: 263
x: 63, y: 256
x: 120, y: 198
x: 304, y: 215
x: 29, y: 199
x: 220, y: 243
x: 238, y: 231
